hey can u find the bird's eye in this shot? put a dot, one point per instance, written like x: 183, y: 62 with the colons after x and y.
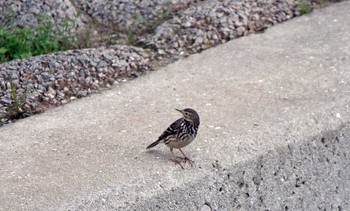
x: 186, y: 113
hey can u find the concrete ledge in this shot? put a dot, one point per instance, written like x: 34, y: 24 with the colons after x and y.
x: 274, y: 133
x: 311, y: 174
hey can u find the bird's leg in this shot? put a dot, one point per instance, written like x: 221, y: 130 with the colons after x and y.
x: 176, y: 161
x: 186, y: 158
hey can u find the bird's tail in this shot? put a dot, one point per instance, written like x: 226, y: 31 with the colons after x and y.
x: 154, y: 144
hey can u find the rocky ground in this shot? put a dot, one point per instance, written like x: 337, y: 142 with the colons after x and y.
x: 158, y: 30
x: 55, y: 79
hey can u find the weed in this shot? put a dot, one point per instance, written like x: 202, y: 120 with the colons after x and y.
x: 85, y: 38
x: 45, y: 37
x: 142, y: 25
x: 112, y: 39
x: 66, y: 36
x: 15, y: 110
x: 304, y: 6
x: 208, y: 44
x: 131, y: 37
x: 176, y: 30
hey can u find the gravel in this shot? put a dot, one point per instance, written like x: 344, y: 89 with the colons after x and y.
x: 202, y: 26
x: 27, y: 12
x: 55, y: 79
x: 131, y: 14
x: 183, y: 27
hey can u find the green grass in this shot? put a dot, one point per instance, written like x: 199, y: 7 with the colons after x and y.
x: 304, y: 6
x: 45, y: 37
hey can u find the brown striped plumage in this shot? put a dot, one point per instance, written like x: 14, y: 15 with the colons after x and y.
x: 180, y: 133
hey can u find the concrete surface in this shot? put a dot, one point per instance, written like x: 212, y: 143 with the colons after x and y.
x: 274, y: 135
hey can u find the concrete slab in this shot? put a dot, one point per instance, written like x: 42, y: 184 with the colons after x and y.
x: 274, y: 134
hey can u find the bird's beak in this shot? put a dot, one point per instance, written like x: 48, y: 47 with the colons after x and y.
x: 179, y: 110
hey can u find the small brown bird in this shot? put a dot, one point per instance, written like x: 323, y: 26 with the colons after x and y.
x: 180, y: 134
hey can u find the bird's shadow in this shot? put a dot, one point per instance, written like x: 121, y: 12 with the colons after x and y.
x: 154, y: 153
x: 158, y: 154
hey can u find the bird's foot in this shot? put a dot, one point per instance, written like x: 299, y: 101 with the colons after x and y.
x: 178, y: 162
x: 189, y: 160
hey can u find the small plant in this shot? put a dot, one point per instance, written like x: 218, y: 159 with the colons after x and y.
x: 15, y: 110
x: 304, y: 6
x: 66, y: 36
x: 208, y: 44
x: 85, y: 38
x: 143, y: 25
x: 45, y: 37
x: 131, y: 37
x: 176, y: 30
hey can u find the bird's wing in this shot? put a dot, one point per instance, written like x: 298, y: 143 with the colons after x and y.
x: 173, y: 129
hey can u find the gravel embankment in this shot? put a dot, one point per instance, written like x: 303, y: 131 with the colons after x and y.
x: 215, y: 22
x: 133, y: 15
x: 58, y: 78
x: 180, y: 28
